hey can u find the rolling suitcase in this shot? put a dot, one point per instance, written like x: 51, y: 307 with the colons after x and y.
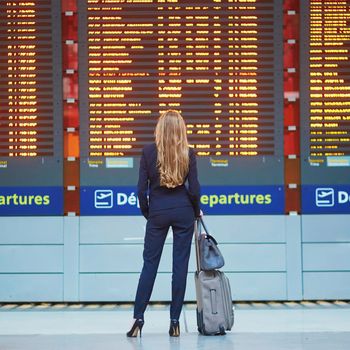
x: 215, y: 313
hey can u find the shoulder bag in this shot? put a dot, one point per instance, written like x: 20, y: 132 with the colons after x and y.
x: 209, y: 253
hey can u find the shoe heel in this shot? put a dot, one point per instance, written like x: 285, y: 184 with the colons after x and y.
x: 135, y: 329
x: 174, y: 330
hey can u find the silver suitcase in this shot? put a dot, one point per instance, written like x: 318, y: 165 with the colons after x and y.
x: 215, y: 313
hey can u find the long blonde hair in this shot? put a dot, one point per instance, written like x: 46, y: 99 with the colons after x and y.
x: 172, y: 147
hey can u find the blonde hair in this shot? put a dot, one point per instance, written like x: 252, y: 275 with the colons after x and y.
x: 172, y: 147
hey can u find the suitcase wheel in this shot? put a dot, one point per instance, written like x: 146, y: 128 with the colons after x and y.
x: 222, y: 330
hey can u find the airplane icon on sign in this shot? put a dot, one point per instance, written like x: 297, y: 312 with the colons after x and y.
x: 324, y: 197
x: 103, y: 199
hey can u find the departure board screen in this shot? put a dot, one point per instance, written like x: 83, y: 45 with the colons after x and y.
x: 217, y: 62
x: 30, y: 100
x: 325, y: 95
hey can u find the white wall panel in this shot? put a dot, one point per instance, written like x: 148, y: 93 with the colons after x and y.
x: 326, y: 285
x: 31, y: 258
x: 122, y: 287
x: 31, y: 287
x: 31, y: 230
x: 326, y: 228
x: 326, y: 256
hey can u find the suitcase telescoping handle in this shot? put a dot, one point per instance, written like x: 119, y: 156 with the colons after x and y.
x: 197, y: 232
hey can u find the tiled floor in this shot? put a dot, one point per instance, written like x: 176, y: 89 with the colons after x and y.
x: 258, y: 326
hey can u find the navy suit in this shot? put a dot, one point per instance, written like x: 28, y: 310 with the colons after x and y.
x: 164, y: 208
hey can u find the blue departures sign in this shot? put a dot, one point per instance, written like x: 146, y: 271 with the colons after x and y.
x: 242, y: 200
x: 325, y: 199
x: 34, y: 201
x: 215, y: 200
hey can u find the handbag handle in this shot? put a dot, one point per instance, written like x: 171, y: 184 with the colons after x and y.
x: 203, y: 224
x: 207, y: 235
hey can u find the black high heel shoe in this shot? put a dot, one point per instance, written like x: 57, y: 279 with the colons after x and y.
x: 174, y: 330
x: 136, y: 327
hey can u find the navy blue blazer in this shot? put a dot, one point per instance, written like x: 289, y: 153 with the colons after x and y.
x: 154, y: 197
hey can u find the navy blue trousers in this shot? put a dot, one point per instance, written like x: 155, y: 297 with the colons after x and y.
x: 182, y: 222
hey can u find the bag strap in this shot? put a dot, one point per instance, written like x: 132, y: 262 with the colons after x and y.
x: 200, y: 219
x: 203, y: 224
x: 207, y: 235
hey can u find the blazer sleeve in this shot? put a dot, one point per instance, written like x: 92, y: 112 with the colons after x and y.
x: 142, y: 186
x: 193, y: 184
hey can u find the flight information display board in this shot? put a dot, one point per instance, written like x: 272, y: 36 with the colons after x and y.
x: 218, y: 62
x: 30, y: 108
x: 325, y: 106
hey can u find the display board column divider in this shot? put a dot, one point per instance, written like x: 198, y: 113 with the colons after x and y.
x: 70, y: 108
x: 291, y: 64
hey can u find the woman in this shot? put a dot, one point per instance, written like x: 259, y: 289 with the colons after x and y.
x: 165, y: 167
